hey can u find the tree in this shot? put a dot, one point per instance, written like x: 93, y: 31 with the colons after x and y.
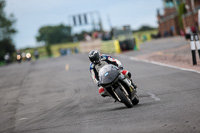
x: 50, y: 35
x: 48, y: 49
x: 54, y: 34
x: 181, y: 10
x: 6, y: 32
x: 81, y: 36
x: 145, y: 28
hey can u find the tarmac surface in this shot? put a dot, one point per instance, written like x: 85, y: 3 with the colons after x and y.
x: 58, y: 95
x: 173, y: 51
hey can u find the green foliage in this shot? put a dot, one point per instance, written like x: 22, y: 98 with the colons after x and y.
x: 6, y: 32
x: 6, y: 46
x: 54, y: 49
x: 80, y: 36
x: 2, y: 63
x: 108, y: 46
x: 145, y: 28
x: 48, y: 49
x: 140, y: 33
x: 140, y: 36
x: 181, y: 10
x: 54, y: 34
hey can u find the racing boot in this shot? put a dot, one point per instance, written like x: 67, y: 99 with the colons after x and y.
x: 134, y: 85
x: 127, y: 74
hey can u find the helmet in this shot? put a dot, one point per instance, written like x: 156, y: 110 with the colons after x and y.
x: 95, y: 57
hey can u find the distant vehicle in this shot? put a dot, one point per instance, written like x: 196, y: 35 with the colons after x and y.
x: 36, y: 54
x: 7, y: 58
x: 125, y: 37
x: 28, y: 56
x: 23, y: 56
x: 18, y: 57
x: 113, y: 81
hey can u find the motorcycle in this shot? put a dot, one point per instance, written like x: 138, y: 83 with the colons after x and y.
x: 19, y: 58
x: 117, y: 85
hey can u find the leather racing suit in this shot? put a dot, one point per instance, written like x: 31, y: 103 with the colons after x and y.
x: 105, y: 59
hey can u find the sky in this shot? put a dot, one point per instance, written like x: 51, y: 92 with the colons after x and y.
x: 31, y: 15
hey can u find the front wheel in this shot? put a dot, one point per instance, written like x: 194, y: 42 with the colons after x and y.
x: 135, y: 101
x: 124, y: 97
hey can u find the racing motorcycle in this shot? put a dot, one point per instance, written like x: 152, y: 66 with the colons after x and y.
x: 19, y: 58
x: 117, y: 85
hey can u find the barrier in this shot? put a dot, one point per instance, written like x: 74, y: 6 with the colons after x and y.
x: 127, y: 44
x: 117, y: 46
x: 61, y: 49
x: 138, y: 42
x: 194, y: 39
x: 87, y: 46
x: 197, y: 43
x: 111, y: 46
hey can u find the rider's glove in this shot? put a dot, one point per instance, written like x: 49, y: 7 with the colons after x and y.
x: 98, y: 84
x: 121, y: 67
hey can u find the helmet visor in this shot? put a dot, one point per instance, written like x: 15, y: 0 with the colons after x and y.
x: 95, y: 59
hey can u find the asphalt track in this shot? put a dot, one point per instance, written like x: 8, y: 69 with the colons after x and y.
x: 58, y: 96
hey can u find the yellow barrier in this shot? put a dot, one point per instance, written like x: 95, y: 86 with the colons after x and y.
x: 143, y: 36
x: 138, y: 42
x: 111, y: 46
x: 117, y: 46
x: 56, y: 48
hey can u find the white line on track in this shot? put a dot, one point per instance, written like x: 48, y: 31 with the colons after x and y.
x: 161, y: 64
x: 153, y: 96
x: 158, y: 63
x: 22, y: 119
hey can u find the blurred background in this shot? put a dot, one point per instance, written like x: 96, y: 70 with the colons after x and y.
x: 41, y: 28
x: 45, y: 83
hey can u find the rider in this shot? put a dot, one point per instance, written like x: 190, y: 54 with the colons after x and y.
x: 98, y: 61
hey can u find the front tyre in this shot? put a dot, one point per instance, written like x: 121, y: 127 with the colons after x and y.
x: 135, y: 101
x: 124, y: 97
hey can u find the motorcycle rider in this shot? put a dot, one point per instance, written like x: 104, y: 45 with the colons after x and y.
x: 98, y: 61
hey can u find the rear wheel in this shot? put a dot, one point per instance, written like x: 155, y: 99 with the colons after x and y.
x: 124, y: 97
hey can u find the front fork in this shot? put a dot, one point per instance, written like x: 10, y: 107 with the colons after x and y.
x: 128, y: 83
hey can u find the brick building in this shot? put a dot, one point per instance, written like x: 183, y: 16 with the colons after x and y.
x: 169, y: 22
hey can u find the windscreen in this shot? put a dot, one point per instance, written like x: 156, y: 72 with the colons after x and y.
x: 108, y: 73
x: 104, y: 70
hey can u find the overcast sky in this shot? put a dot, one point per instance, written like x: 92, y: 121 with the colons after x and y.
x: 32, y: 14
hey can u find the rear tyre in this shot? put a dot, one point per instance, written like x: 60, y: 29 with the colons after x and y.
x: 124, y: 98
x: 136, y: 100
